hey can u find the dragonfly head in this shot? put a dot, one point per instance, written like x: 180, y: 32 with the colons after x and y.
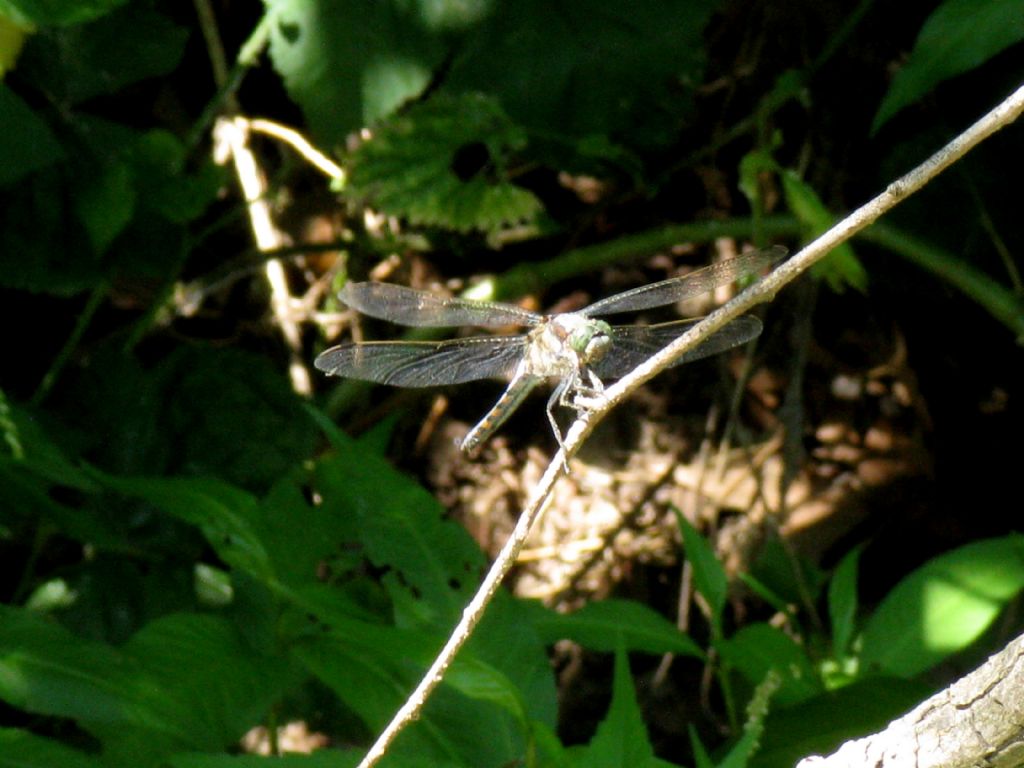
x: 591, y: 340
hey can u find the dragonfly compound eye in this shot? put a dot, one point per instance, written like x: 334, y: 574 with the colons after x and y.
x: 591, y: 341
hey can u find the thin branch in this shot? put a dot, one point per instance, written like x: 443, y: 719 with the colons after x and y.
x: 300, y: 144
x: 762, y: 291
x: 214, y: 46
x: 231, y: 136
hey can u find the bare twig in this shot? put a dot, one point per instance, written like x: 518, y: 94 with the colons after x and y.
x: 231, y: 135
x: 300, y: 144
x: 1002, y: 115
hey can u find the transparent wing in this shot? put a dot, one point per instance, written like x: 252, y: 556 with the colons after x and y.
x: 694, y: 284
x: 424, y: 363
x: 633, y: 344
x: 407, y: 306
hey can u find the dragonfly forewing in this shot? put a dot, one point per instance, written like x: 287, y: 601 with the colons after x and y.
x: 425, y: 363
x: 697, y: 283
x: 634, y: 344
x: 407, y: 306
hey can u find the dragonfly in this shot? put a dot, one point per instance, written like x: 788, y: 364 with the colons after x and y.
x: 578, y: 349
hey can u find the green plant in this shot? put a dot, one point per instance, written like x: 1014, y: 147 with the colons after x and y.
x: 189, y: 548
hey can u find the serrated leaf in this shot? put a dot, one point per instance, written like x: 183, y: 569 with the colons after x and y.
x: 958, y: 36
x: 943, y: 606
x: 621, y: 740
x: 442, y: 163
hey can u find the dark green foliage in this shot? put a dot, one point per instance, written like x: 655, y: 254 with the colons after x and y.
x: 190, y: 549
x: 958, y: 36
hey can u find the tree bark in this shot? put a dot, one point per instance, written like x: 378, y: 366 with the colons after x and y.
x: 978, y: 722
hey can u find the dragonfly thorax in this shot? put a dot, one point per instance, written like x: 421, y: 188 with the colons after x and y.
x: 566, y: 343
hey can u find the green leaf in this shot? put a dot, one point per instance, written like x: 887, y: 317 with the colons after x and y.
x: 475, y: 717
x: 220, y: 510
x: 605, y: 625
x: 757, y: 649
x: 208, y: 679
x: 943, y: 606
x: 708, y: 574
x: 755, y: 164
x: 322, y: 758
x: 959, y: 36
x: 842, y: 602
x: 22, y: 749
x: 817, y: 726
x: 161, y: 178
x: 508, y: 640
x: 232, y: 413
x: 387, y: 49
x: 74, y: 64
x: 786, y: 575
x: 701, y: 756
x: 46, y: 670
x: 28, y: 141
x: 433, y: 564
x: 57, y: 12
x: 550, y: 751
x: 104, y: 203
x: 301, y: 538
x: 841, y: 268
x: 442, y: 163
x: 41, y: 454
x: 568, y: 67
x: 621, y: 740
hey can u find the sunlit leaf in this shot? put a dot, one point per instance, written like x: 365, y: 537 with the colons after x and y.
x: 443, y: 163
x: 943, y: 606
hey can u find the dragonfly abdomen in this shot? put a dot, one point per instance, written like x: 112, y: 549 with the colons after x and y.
x: 521, y: 385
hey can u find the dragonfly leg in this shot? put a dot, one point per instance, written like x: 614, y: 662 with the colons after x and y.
x: 587, y: 396
x: 558, y: 397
